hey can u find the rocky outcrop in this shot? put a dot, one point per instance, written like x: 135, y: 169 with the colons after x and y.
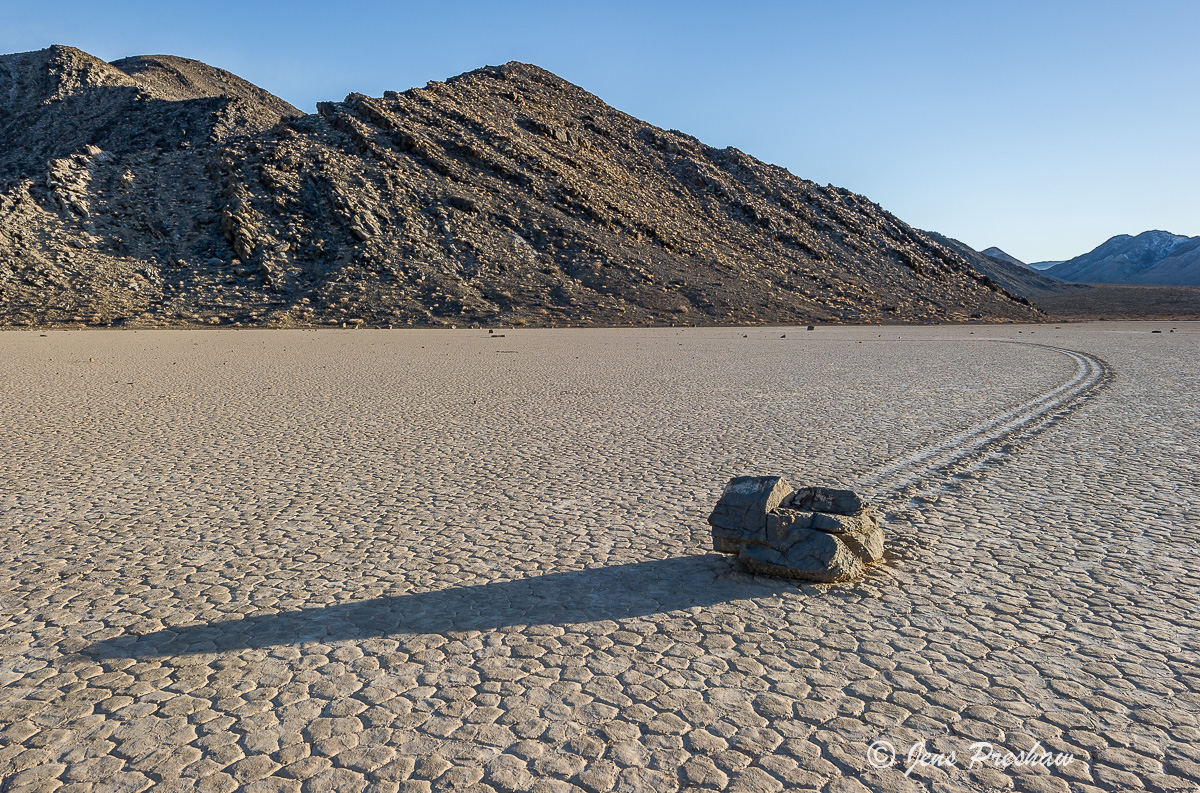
x: 814, y: 533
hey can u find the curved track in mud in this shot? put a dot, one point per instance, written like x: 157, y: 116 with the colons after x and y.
x: 933, y: 467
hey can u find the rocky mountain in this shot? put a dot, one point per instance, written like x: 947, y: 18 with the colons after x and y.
x: 995, y: 253
x: 1152, y: 257
x: 161, y: 191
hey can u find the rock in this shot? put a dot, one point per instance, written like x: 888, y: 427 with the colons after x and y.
x: 814, y: 533
x: 824, y: 499
x: 741, y: 513
x: 817, y: 556
x: 463, y: 204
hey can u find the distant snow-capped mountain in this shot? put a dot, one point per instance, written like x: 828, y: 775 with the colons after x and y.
x: 1152, y: 257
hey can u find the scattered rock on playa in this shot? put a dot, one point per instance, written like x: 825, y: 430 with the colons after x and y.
x: 814, y: 533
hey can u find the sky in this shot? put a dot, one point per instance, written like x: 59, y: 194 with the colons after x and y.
x: 1043, y: 128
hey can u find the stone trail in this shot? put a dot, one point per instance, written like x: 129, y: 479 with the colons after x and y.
x: 922, y: 471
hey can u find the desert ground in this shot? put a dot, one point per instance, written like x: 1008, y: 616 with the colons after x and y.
x: 441, y: 560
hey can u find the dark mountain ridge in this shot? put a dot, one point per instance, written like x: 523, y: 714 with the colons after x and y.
x: 1011, y: 274
x: 161, y: 191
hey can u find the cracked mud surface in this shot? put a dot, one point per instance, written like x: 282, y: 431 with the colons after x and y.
x: 434, y: 560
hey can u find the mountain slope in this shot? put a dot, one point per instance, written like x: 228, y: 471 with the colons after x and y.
x: 996, y: 253
x: 1152, y: 257
x: 157, y: 190
x: 1011, y: 274
x: 55, y: 102
x: 180, y: 79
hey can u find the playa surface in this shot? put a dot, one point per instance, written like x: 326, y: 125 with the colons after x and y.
x: 415, y: 560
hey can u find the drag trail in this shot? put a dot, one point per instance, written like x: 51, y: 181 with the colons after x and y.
x: 938, y: 465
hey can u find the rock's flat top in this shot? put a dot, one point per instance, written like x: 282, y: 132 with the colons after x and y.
x: 356, y: 556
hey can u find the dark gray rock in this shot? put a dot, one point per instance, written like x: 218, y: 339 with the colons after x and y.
x: 816, y: 556
x: 813, y: 534
x: 786, y: 526
x: 463, y: 204
x: 740, y: 516
x: 825, y: 499
x: 866, y: 542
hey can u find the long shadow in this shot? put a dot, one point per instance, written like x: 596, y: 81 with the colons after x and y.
x: 604, y: 593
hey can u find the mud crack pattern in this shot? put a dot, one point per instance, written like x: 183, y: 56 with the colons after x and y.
x: 363, y: 560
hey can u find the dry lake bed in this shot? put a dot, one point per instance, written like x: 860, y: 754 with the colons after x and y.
x: 449, y: 560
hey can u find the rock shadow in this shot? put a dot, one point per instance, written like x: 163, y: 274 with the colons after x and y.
x: 578, y: 596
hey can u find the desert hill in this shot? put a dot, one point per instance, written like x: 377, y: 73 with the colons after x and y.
x: 161, y: 191
x: 1010, y: 273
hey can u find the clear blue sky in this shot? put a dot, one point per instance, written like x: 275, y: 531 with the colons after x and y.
x: 1041, y: 127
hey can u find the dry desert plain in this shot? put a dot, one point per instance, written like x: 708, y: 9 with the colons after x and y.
x: 442, y: 560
